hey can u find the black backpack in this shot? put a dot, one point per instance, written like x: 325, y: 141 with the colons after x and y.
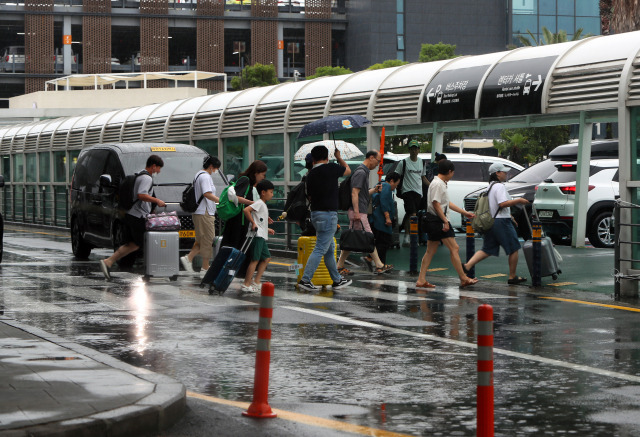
x: 344, y: 194
x: 126, y: 196
x: 189, y: 202
x: 297, y: 205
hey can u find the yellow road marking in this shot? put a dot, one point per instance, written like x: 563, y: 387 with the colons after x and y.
x: 280, y: 264
x: 306, y: 419
x: 37, y: 232
x: 439, y: 269
x: 617, y: 307
x: 560, y: 284
x: 495, y: 275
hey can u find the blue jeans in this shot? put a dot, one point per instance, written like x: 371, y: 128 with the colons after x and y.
x: 326, y: 224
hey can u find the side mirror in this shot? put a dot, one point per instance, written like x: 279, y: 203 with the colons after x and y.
x: 105, y: 181
x: 1, y: 181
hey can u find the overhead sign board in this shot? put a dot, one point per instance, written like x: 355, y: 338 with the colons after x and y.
x: 515, y: 88
x: 451, y: 94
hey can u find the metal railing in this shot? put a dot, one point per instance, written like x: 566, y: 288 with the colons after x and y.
x: 35, y: 205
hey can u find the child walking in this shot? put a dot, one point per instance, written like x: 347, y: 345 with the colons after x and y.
x: 258, y: 215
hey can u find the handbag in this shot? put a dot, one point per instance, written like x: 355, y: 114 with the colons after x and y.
x: 165, y: 221
x: 357, y: 240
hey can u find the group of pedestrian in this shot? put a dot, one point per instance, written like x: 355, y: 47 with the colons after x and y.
x: 322, y: 193
x: 252, y: 223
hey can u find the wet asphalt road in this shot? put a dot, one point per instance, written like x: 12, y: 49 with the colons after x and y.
x: 378, y: 354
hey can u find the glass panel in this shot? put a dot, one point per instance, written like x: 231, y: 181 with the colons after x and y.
x: 400, y: 56
x: 589, y: 8
x: 44, y: 167
x: 588, y: 25
x: 400, y: 23
x: 549, y: 23
x: 270, y: 150
x: 297, y: 167
x: 547, y: 7
x: 635, y: 143
x: 47, y: 205
x: 6, y: 168
x: 525, y: 6
x: 209, y: 146
x: 31, y: 167
x: 18, y: 167
x: 400, y: 43
x: 566, y: 24
x: 566, y: 7
x: 524, y: 23
x: 73, y: 159
x: 399, y: 5
x: 59, y: 167
x: 236, y: 155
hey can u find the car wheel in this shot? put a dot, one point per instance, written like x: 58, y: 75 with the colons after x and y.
x: 119, y: 236
x: 559, y: 240
x: 81, y: 249
x: 601, y: 233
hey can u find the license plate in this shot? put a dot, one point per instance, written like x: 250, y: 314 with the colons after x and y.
x: 545, y: 214
x: 187, y: 234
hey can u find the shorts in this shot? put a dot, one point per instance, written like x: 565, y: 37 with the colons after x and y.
x: 502, y: 233
x: 434, y: 227
x: 364, y: 219
x: 135, y: 229
x: 259, y: 249
x: 411, y: 202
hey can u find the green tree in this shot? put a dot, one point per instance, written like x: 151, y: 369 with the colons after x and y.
x: 549, y: 37
x: 387, y: 64
x: 530, y: 144
x: 255, y: 75
x: 330, y: 71
x: 437, y: 52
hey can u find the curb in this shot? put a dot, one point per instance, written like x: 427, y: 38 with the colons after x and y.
x: 149, y: 415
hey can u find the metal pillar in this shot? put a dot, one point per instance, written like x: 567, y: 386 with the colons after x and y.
x: 582, y: 183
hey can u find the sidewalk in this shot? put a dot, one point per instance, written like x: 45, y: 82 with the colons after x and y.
x: 51, y: 386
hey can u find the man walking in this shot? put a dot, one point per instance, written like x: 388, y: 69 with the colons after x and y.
x: 204, y: 218
x: 134, y: 220
x: 322, y: 190
x: 413, y: 176
x: 360, y: 193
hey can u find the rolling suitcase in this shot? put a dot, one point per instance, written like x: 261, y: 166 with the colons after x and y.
x: 548, y: 259
x: 305, y: 247
x: 225, y: 266
x: 161, y: 255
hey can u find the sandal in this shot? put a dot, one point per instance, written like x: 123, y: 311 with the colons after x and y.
x: 387, y: 267
x: 345, y: 272
x: 425, y: 284
x: 379, y: 270
x: 516, y: 280
x: 468, y: 281
x: 367, y: 262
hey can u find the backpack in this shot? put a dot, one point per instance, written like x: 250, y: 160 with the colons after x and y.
x: 297, y: 205
x: 227, y: 209
x: 126, y: 196
x: 483, y: 221
x: 189, y: 203
x: 399, y: 192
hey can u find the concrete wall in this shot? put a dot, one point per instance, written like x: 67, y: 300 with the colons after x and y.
x: 476, y: 27
x: 102, y: 99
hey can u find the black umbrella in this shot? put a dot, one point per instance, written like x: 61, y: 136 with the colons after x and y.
x: 332, y: 123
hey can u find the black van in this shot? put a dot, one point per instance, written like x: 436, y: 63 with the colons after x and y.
x: 96, y: 219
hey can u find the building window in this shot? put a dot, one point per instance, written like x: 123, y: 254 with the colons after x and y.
x: 400, y: 29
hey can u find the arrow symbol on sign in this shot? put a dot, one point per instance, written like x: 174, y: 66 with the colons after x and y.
x: 430, y: 94
x: 537, y: 83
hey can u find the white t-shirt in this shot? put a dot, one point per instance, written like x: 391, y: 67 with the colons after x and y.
x: 413, y: 172
x: 438, y: 192
x: 497, y: 195
x: 260, y: 215
x: 204, y: 184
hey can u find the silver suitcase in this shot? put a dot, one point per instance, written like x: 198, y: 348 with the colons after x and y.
x: 161, y: 255
x: 549, y: 262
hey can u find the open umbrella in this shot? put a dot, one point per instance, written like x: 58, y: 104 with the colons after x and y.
x: 332, y: 123
x: 347, y: 150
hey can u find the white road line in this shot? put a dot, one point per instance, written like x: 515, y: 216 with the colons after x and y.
x: 557, y: 363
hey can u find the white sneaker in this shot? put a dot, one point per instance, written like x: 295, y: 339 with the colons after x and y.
x: 247, y: 288
x: 258, y: 287
x: 186, y: 264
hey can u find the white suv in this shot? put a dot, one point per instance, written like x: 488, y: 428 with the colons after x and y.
x: 555, y: 202
x: 471, y: 174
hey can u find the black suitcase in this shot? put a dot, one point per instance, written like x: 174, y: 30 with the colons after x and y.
x: 225, y: 266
